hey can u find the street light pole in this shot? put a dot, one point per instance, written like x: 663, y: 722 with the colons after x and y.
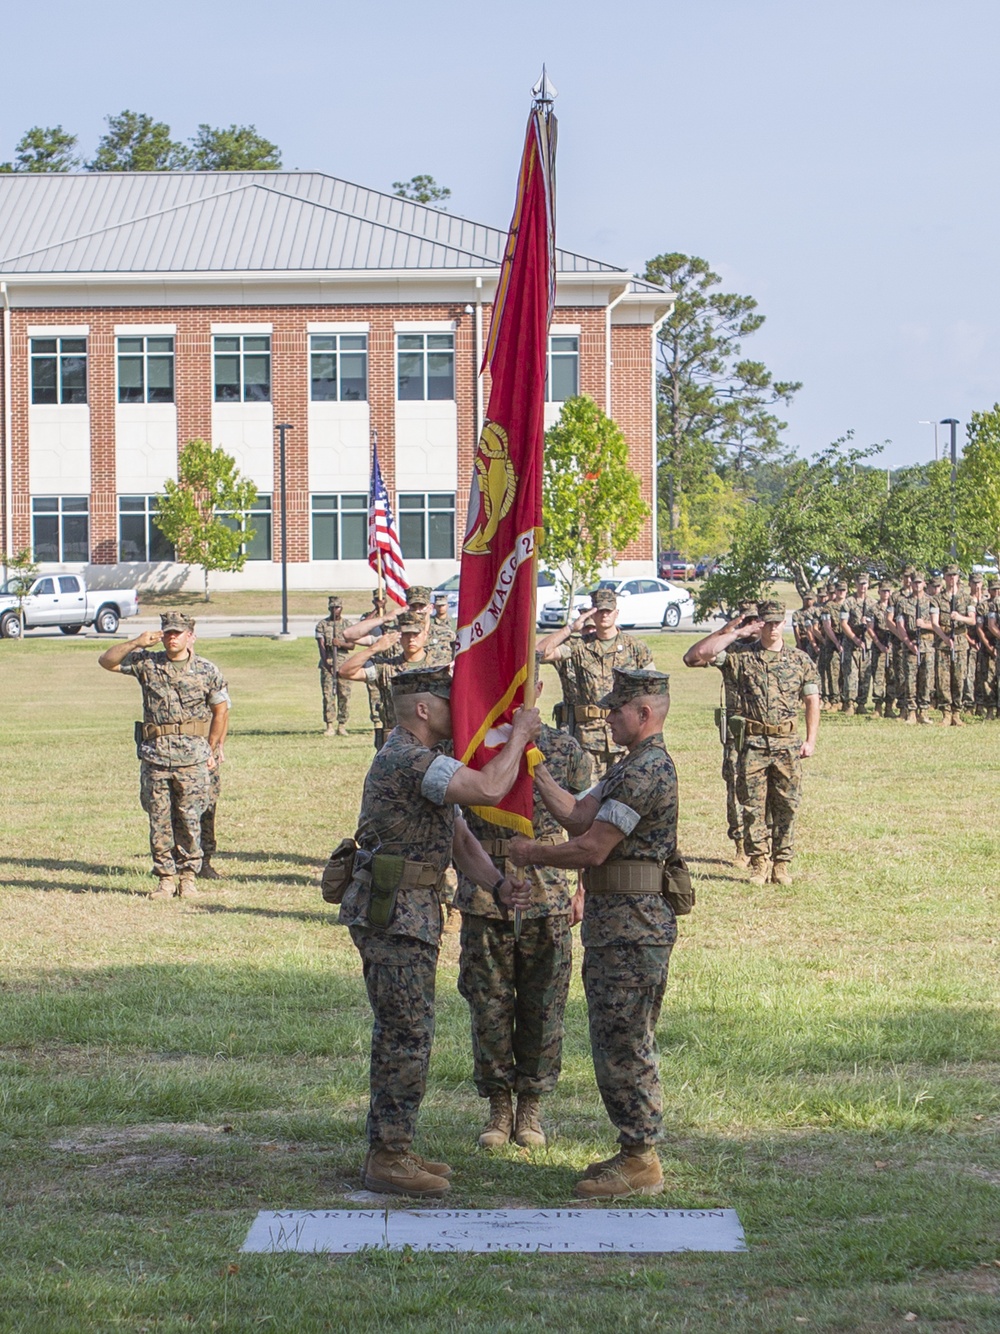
x: 953, y: 423
x: 282, y: 429
x: 922, y: 422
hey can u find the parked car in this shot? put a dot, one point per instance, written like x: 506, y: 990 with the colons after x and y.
x: 641, y: 603
x: 672, y: 565
x: 63, y: 600
x: 546, y: 584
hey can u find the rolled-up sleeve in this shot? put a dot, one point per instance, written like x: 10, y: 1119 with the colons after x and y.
x: 618, y: 814
x: 437, y: 777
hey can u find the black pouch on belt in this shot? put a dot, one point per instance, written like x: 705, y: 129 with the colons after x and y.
x: 137, y: 729
x: 387, y: 876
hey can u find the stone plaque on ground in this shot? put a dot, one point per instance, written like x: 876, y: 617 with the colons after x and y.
x: 548, y: 1231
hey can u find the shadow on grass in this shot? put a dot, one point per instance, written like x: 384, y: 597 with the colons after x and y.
x: 295, y: 858
x: 290, y: 914
x: 56, y: 864
x: 275, y: 731
x: 58, y: 887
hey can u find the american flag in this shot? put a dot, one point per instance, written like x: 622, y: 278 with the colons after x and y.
x: 382, y: 536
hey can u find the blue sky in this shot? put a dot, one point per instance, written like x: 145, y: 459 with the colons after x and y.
x: 837, y: 161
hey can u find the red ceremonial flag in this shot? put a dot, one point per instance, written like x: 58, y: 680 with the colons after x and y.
x: 496, y: 596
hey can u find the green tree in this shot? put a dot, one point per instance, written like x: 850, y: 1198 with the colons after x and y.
x: 44, y: 149
x: 422, y: 190
x: 915, y: 520
x: 238, y: 148
x: 714, y: 405
x: 591, y: 497
x: 22, y: 571
x: 707, y: 517
x: 978, y: 489
x: 136, y: 142
x: 204, y: 513
x: 747, y: 569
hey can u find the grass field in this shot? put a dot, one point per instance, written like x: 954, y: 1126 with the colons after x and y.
x: 831, y: 1052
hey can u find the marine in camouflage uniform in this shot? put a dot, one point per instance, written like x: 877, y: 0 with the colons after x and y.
x: 730, y: 754
x: 881, y: 640
x: 986, y: 681
x: 956, y: 615
x: 408, y: 832
x: 592, y: 659
x: 184, y: 703
x: 516, y: 989
x: 380, y: 662
x: 336, y: 691
x: 627, y: 834
x: 769, y: 679
x: 977, y: 596
x: 441, y: 639
x: 803, y: 621
x: 916, y: 615
x: 829, y: 656
x: 856, y: 671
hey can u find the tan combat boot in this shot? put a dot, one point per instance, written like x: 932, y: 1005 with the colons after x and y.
x: 889, y: 712
x: 499, y: 1128
x: 740, y: 857
x: 635, y: 1171
x: 849, y: 710
x: 341, y: 729
x: 208, y: 871
x: 957, y: 719
x: 165, y: 889
x: 990, y: 714
x: 452, y: 920
x: 780, y: 874
x: 329, y: 730
x: 759, y: 870
x: 878, y: 708
x: 391, y: 1171
x: 861, y: 710
x: 911, y: 719
x: 428, y: 1164
x: 528, y: 1130
x: 922, y: 719
x: 187, y: 888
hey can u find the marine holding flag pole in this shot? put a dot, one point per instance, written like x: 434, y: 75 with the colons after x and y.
x: 494, y: 664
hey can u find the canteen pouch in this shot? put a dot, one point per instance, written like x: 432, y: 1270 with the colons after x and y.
x: 737, y: 730
x: 387, y: 876
x: 677, y: 887
x: 139, y: 738
x: 338, y: 871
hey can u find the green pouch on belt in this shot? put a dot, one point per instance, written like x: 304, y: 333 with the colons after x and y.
x: 387, y: 876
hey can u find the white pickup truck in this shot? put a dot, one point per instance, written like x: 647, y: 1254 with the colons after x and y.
x: 63, y: 600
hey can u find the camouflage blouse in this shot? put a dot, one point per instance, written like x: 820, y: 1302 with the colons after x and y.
x: 179, y: 692
x: 591, y: 662
x: 768, y: 684
x: 639, y: 797
x: 329, y: 635
x: 403, y: 812
x: 552, y: 888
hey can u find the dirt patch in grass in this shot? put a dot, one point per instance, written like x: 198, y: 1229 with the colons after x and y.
x: 104, y: 1139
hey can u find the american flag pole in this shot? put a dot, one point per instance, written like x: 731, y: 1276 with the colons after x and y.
x: 378, y: 550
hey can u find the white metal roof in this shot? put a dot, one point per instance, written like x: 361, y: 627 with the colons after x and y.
x: 219, y: 222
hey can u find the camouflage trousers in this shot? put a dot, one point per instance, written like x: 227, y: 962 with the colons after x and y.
x: 856, y: 675
x: 399, y: 974
x: 950, y: 669
x: 985, y: 689
x: 208, y: 839
x: 174, y: 800
x: 915, y: 680
x: 734, y: 813
x: 881, y: 677
x: 336, y: 697
x: 516, y: 990
x: 769, y: 784
x: 624, y: 985
x: 828, y: 664
x: 894, y: 674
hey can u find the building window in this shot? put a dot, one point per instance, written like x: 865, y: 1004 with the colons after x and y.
x: 427, y: 526
x: 242, y: 368
x: 139, y: 539
x: 340, y: 527
x: 58, y: 370
x: 259, y: 518
x: 562, y: 371
x: 146, y: 369
x: 60, y: 528
x: 425, y: 366
x: 338, y: 368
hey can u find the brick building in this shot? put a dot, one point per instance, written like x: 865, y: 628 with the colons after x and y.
x: 144, y: 310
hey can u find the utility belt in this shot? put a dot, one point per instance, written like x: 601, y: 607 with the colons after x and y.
x: 589, y: 713
x: 150, y: 731
x: 385, y: 874
x: 671, y: 879
x: 499, y: 848
x: 754, y: 728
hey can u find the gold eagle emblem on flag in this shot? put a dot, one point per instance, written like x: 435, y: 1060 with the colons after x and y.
x: 495, y: 486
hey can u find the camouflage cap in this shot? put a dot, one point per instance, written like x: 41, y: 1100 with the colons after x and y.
x: 952, y: 569
x: 840, y: 586
x: 975, y: 578
x: 439, y: 597
x: 423, y: 681
x: 748, y: 607
x: 176, y: 620
x: 604, y: 599
x: 916, y: 577
x: 410, y: 622
x: 629, y: 685
x: 863, y: 578
x: 771, y: 611
x: 418, y: 593
x: 933, y: 581
x: 885, y: 586
x: 810, y: 593
x: 994, y: 586
x: 334, y: 600
x: 910, y: 570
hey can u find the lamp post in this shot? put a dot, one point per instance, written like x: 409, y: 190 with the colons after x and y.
x: 953, y: 423
x: 282, y: 430
x: 922, y: 422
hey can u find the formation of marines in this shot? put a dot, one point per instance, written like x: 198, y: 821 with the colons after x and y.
x: 603, y: 852
x: 909, y: 649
